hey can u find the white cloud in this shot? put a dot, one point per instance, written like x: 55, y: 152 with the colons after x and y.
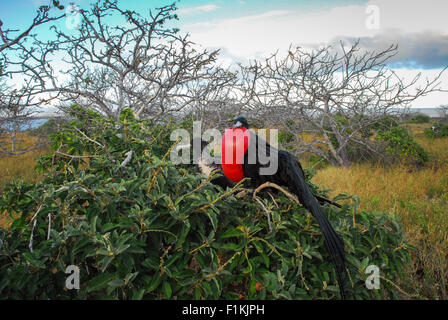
x: 265, y: 33
x: 240, y: 36
x: 198, y: 9
x: 256, y: 36
x: 433, y: 99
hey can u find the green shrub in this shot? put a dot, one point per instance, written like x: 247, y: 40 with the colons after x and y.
x: 285, y: 137
x: 155, y: 230
x: 400, y: 143
x: 364, y: 152
x: 420, y: 118
x: 438, y: 130
x: 48, y: 127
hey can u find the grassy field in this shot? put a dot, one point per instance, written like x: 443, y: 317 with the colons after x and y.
x: 418, y: 196
x: 22, y: 166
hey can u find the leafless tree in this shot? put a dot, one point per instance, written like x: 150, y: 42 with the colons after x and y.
x: 108, y: 64
x: 443, y: 112
x: 336, y: 94
x: 116, y: 58
x: 18, y: 101
x: 15, y: 116
x: 10, y: 37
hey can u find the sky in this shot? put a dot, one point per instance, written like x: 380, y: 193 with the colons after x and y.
x: 251, y: 29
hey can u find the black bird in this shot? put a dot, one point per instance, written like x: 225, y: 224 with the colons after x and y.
x: 221, y: 180
x: 290, y: 174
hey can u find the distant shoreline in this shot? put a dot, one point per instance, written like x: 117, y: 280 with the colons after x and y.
x: 432, y: 112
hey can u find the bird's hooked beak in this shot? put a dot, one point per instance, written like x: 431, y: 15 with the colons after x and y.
x: 238, y: 124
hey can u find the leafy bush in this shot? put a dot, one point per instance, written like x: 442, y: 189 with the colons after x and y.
x: 285, y: 137
x: 370, y: 150
x: 385, y: 124
x: 420, y: 118
x: 48, y: 127
x: 438, y: 130
x: 400, y: 143
x: 154, y: 230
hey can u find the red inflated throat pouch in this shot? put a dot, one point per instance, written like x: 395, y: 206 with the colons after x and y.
x: 235, y: 143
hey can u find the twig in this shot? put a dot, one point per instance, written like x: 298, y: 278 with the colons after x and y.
x: 243, y: 193
x: 273, y: 185
x: 409, y: 295
x: 290, y: 195
x: 128, y: 158
x: 231, y: 191
x: 38, y: 210
x: 273, y: 199
x: 49, y: 226
x: 156, y: 173
x: 268, y: 213
x: 63, y: 188
x: 76, y: 157
x: 30, y: 245
x: 90, y: 139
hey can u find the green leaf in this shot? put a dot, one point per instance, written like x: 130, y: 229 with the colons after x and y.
x: 233, y: 232
x: 155, y: 281
x: 116, y: 283
x: 138, y: 295
x: 106, y: 261
x: 99, y: 282
x: 151, y: 263
x: 167, y: 289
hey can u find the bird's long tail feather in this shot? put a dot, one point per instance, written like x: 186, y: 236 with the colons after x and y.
x: 333, y: 241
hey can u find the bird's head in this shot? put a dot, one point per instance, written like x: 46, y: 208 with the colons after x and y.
x: 240, y: 122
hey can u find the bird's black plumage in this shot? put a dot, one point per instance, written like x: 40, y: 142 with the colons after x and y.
x: 290, y: 174
x: 224, y: 182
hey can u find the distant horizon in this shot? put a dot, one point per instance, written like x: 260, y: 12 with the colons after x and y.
x: 430, y: 111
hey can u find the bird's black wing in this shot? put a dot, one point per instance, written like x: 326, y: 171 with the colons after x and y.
x: 253, y: 170
x: 290, y: 174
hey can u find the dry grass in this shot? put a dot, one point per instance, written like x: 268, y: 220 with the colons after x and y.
x: 21, y: 166
x: 417, y: 128
x: 418, y: 196
x: 15, y: 167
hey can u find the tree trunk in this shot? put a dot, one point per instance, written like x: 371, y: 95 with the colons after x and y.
x: 13, y: 142
x: 344, y: 157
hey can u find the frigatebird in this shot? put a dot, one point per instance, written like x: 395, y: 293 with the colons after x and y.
x: 243, y: 163
x: 208, y: 167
